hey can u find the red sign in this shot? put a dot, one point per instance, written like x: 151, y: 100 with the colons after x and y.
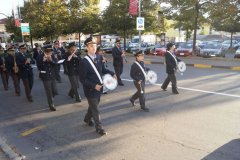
x: 17, y: 23
x: 133, y: 7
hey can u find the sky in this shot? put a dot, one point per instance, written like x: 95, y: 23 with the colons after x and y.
x: 8, y: 5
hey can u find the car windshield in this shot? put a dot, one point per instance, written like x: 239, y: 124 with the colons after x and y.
x: 159, y: 46
x: 185, y: 45
x: 136, y: 40
x: 212, y: 46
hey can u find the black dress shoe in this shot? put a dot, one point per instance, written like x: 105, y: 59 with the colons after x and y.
x: 101, y: 132
x: 78, y: 100
x: 132, y: 102
x: 175, y: 92
x: 120, y: 84
x: 30, y: 100
x: 52, y: 108
x: 164, y: 89
x: 145, y: 109
x: 90, y: 123
x: 70, y: 95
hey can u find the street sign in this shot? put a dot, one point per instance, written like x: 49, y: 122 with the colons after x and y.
x: 140, y: 23
x: 25, y: 29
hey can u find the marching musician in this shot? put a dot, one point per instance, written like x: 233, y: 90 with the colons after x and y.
x: 45, y: 64
x: 37, y: 51
x: 24, y: 62
x: 138, y: 74
x: 91, y: 71
x: 118, y: 56
x: 59, y: 55
x: 72, y: 70
x: 11, y: 65
x: 3, y: 70
x: 171, y: 67
x: 101, y: 54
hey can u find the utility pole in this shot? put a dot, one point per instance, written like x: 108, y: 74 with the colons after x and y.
x: 139, y: 15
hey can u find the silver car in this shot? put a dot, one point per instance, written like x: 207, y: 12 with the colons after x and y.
x: 212, y: 50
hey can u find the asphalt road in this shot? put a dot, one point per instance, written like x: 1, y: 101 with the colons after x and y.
x: 202, y: 122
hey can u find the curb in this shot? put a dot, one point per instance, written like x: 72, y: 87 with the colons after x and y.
x: 9, y: 151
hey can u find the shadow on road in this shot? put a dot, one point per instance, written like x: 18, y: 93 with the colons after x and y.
x: 229, y: 151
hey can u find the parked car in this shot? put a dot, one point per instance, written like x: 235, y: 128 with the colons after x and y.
x: 212, y: 50
x: 226, y: 44
x: 185, y: 49
x: 150, y: 49
x: 160, y: 50
x: 237, y: 53
x: 107, y: 47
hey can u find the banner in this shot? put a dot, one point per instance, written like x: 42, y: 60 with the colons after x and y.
x: 133, y: 7
x: 17, y: 23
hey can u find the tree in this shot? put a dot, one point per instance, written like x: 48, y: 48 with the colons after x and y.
x: 11, y: 28
x: 224, y: 16
x: 46, y: 19
x: 189, y: 12
x: 117, y: 20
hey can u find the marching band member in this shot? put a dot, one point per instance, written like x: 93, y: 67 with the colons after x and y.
x: 12, y: 68
x: 92, y: 69
x: 3, y: 70
x: 59, y: 55
x: 45, y: 64
x: 118, y: 56
x: 37, y: 51
x: 138, y: 75
x: 72, y: 70
x: 104, y: 61
x: 171, y: 67
x: 24, y: 62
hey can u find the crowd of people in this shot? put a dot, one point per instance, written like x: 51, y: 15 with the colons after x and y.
x: 16, y: 62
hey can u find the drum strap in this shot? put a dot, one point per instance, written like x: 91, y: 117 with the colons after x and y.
x: 173, y: 57
x: 144, y: 73
x: 95, y: 69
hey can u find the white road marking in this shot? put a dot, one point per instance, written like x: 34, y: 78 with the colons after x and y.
x: 197, y: 90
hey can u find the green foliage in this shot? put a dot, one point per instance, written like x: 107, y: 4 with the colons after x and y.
x: 84, y: 17
x: 184, y: 12
x: 224, y: 16
x: 15, y: 31
x: 53, y: 18
x: 116, y: 18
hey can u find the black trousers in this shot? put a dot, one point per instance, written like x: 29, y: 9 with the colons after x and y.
x: 5, y: 77
x: 28, y: 84
x: 16, y: 82
x: 118, y: 71
x: 50, y: 90
x: 57, y: 68
x: 93, y: 112
x: 140, y: 93
x: 172, y: 78
x: 74, y: 87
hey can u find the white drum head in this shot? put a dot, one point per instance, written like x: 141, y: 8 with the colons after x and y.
x: 109, y: 82
x: 182, y: 66
x: 151, y: 77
